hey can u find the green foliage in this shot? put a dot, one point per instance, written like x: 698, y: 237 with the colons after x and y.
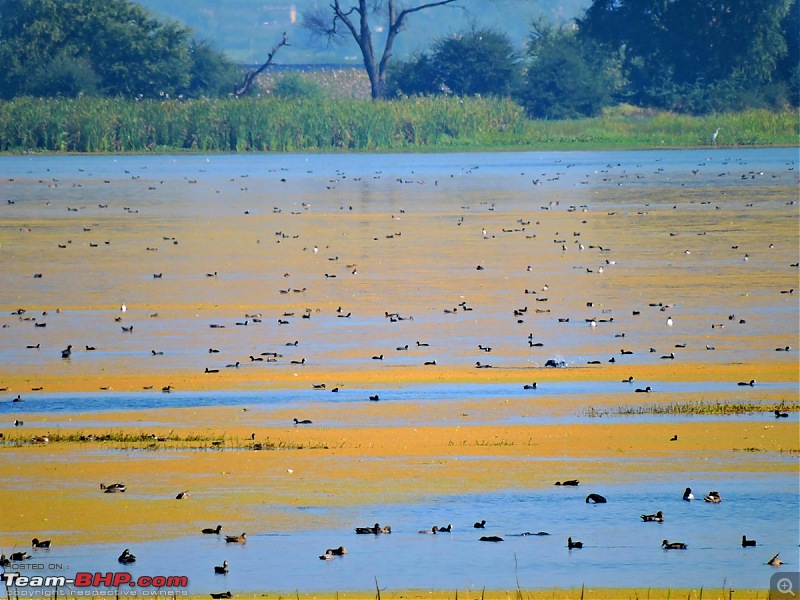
x: 689, y: 55
x: 114, y: 47
x: 568, y: 77
x: 64, y: 75
x: 480, y: 62
x: 787, y: 72
x: 211, y: 73
x: 414, y: 77
x: 293, y: 84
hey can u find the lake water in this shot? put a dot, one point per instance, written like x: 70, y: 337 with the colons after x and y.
x: 266, y: 407
x: 702, y: 279
x: 619, y: 549
x: 683, y: 255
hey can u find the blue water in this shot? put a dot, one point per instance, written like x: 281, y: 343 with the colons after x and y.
x: 618, y: 549
x: 84, y: 408
x: 444, y: 187
x: 495, y: 171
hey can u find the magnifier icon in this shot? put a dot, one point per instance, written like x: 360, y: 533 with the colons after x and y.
x: 784, y: 586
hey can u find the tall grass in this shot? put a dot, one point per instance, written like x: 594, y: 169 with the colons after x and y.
x: 276, y: 125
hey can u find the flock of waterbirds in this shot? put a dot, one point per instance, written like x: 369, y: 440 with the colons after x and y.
x: 546, y: 296
x: 127, y: 558
x: 299, y: 352
x: 521, y: 313
x: 273, y: 356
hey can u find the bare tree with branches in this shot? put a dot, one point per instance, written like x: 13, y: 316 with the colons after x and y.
x: 251, y: 75
x: 337, y: 21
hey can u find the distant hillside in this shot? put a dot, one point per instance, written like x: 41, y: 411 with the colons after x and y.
x: 247, y: 29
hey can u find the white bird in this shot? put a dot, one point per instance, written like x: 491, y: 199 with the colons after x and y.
x: 669, y: 321
x: 714, y: 137
x: 123, y: 308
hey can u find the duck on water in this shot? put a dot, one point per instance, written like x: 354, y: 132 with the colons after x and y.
x: 375, y: 529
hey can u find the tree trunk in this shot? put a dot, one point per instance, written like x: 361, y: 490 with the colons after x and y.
x: 367, y: 51
x: 362, y: 34
x: 375, y: 80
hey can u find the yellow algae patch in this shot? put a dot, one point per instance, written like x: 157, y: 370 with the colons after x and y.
x: 255, y: 490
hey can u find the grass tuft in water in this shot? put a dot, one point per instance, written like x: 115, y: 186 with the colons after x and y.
x: 693, y: 408
x: 129, y: 441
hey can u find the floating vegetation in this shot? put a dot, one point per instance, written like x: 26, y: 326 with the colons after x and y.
x: 501, y: 442
x: 693, y: 408
x: 753, y: 449
x: 123, y: 440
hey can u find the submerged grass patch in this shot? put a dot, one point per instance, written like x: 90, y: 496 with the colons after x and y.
x: 132, y: 440
x: 693, y: 408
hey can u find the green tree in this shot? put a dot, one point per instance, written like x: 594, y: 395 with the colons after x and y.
x: 293, y: 84
x: 134, y: 53
x: 480, y: 62
x: 114, y: 46
x: 413, y: 77
x: 670, y: 47
x: 64, y: 75
x: 787, y: 73
x: 211, y: 73
x: 567, y: 76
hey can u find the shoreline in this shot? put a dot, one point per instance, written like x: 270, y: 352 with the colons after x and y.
x: 467, y: 149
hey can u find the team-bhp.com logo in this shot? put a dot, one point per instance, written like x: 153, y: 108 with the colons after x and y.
x: 84, y: 580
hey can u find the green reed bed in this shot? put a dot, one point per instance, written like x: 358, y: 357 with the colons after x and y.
x: 102, y: 125
x: 619, y: 128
